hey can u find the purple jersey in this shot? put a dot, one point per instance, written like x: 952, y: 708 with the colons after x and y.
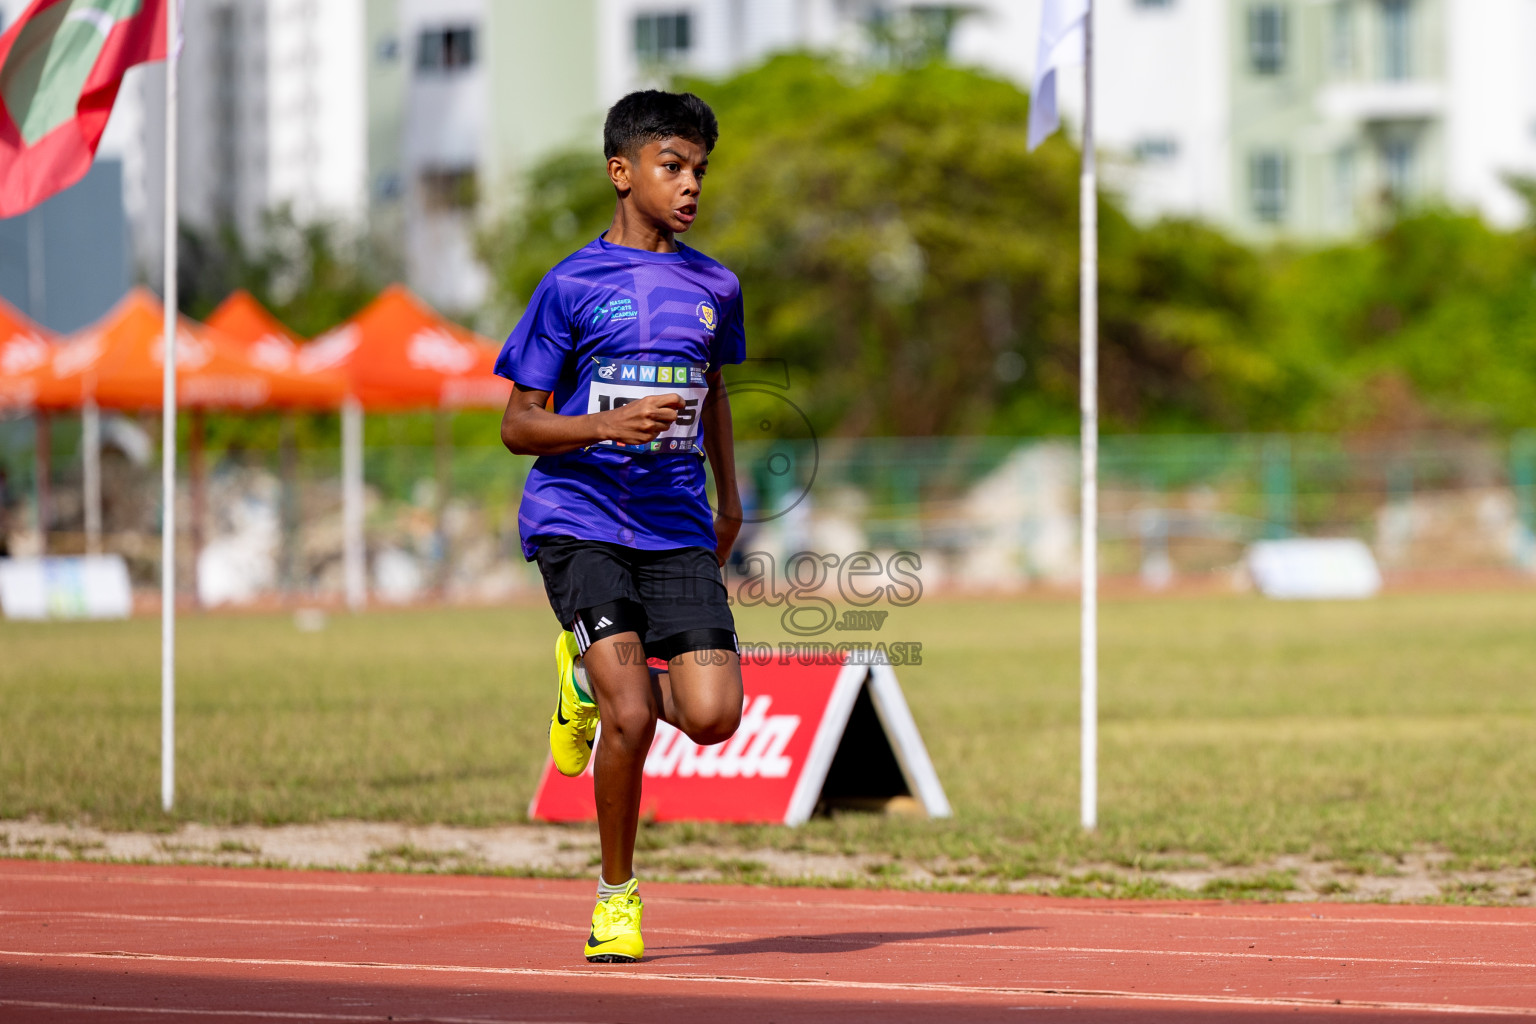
x: 607, y: 325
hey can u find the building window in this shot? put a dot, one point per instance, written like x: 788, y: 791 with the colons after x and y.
x: 1396, y: 40
x: 1269, y: 174
x: 451, y: 48
x: 1342, y: 39
x: 1344, y: 186
x: 386, y: 187
x: 1156, y: 149
x: 1398, y: 160
x: 449, y: 188
x: 663, y: 37
x: 1267, y: 38
x: 387, y: 49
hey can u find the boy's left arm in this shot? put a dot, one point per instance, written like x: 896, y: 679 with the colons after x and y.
x: 720, y: 449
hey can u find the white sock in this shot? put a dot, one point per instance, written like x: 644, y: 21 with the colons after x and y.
x: 582, y: 686
x: 604, y: 890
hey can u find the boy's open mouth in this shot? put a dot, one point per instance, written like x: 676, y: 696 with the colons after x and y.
x: 687, y: 213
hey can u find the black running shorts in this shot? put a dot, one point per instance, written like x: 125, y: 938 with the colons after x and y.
x: 674, y: 599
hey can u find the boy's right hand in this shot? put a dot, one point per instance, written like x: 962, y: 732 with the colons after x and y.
x: 639, y: 422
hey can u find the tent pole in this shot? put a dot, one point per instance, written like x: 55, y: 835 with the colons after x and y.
x: 168, y: 428
x: 444, y: 455
x: 197, y: 480
x: 90, y: 450
x: 287, y: 472
x: 1090, y: 427
x: 353, y: 550
x: 43, y: 429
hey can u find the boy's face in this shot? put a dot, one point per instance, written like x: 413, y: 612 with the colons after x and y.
x: 663, y: 181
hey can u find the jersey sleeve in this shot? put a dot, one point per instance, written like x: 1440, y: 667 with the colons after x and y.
x: 730, y: 341
x: 539, y: 345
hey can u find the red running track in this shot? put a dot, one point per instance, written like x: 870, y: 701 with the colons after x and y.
x: 113, y: 944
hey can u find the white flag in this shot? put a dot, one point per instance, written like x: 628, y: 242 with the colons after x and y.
x: 1061, y: 45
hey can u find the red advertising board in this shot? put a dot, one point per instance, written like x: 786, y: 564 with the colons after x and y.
x: 794, y: 719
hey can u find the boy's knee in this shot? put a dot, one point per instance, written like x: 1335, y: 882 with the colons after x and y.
x: 712, y: 725
x: 631, y: 726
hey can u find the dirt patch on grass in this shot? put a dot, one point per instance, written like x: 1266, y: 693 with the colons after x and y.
x: 572, y: 851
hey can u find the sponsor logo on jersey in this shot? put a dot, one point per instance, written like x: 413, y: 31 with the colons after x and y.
x: 615, y: 310
x: 627, y: 372
x: 647, y: 374
x: 664, y: 375
x: 706, y: 314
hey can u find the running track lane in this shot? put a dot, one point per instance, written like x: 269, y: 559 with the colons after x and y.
x: 113, y: 944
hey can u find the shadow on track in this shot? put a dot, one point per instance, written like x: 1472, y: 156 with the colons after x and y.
x: 835, y: 942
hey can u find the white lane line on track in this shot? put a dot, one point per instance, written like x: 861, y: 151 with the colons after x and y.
x: 741, y: 936
x: 94, y: 915
x: 947, y: 908
x: 102, y: 915
x: 40, y: 1004
x: 938, y: 990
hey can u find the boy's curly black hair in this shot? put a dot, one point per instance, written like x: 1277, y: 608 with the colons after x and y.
x: 647, y: 116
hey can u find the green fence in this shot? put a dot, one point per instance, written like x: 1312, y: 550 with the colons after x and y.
x: 980, y: 509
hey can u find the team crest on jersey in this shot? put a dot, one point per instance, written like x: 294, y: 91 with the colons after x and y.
x: 706, y: 315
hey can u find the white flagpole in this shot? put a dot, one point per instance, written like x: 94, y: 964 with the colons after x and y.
x: 168, y: 441
x: 1090, y: 413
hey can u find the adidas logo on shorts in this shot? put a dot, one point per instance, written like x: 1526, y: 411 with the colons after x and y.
x: 603, y: 623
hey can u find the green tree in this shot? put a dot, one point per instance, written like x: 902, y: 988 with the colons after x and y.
x: 312, y: 275
x: 917, y: 268
x: 1430, y: 323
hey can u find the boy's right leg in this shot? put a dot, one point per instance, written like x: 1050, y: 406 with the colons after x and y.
x: 630, y: 705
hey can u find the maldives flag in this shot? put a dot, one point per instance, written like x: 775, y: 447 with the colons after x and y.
x: 61, y: 65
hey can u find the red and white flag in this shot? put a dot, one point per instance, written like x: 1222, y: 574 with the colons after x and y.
x: 61, y: 65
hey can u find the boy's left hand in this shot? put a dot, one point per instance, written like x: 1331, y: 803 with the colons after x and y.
x: 726, y: 530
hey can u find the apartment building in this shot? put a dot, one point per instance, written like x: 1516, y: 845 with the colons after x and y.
x: 1279, y: 119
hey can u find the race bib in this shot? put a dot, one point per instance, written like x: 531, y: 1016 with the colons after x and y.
x: 617, y: 382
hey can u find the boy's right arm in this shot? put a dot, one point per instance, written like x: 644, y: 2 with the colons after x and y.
x: 528, y: 428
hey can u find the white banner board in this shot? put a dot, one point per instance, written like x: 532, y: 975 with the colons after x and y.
x: 1314, y: 570
x: 90, y: 587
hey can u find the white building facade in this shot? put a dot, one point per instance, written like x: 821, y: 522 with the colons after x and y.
x: 1275, y: 118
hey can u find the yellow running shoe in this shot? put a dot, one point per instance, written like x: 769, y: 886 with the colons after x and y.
x: 574, y: 723
x: 615, y: 937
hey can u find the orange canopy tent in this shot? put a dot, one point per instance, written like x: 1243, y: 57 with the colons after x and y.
x: 398, y: 353
x: 120, y: 364
x: 27, y: 383
x: 267, y: 340
x: 26, y: 350
x: 271, y: 345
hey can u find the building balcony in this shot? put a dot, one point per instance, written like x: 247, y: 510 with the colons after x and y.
x: 1365, y: 102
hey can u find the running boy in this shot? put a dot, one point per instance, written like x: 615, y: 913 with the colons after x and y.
x: 629, y: 334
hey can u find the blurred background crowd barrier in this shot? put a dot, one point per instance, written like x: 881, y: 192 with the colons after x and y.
x: 980, y: 512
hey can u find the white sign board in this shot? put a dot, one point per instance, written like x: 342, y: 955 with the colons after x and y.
x: 1314, y: 570
x: 92, y: 587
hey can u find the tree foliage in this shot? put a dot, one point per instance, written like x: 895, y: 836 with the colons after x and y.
x: 312, y: 275
x: 917, y: 269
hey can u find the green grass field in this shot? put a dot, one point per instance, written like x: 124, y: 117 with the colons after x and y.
x: 1233, y: 729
